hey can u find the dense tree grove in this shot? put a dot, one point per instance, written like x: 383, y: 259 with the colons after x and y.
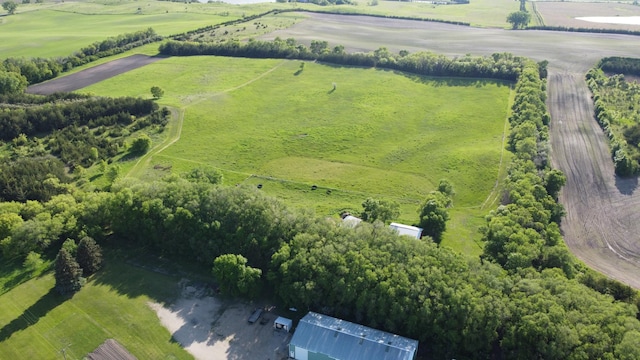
x: 497, y: 66
x: 32, y: 178
x: 94, y: 112
x: 617, y: 111
x: 620, y: 65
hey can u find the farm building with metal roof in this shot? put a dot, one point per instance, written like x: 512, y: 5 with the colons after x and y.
x: 322, y: 337
x: 403, y: 229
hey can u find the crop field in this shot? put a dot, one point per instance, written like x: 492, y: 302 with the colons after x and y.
x: 60, y: 28
x: 565, y: 14
x: 44, y: 30
x: 379, y: 133
x: 36, y: 323
x: 482, y: 13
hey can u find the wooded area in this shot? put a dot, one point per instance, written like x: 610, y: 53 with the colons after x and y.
x: 616, y: 109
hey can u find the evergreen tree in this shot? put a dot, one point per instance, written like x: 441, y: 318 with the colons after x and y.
x: 89, y: 255
x: 68, y: 273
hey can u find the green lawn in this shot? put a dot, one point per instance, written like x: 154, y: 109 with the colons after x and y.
x: 36, y: 323
x: 379, y: 133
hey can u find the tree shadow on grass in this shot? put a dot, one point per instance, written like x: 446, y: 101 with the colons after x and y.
x: 33, y: 314
x: 132, y: 277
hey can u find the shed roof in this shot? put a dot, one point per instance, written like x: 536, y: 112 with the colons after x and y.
x: 403, y: 229
x: 344, y: 340
x: 284, y: 321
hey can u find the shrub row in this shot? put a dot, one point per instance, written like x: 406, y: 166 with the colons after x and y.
x: 497, y: 66
x: 625, y: 164
x: 585, y: 30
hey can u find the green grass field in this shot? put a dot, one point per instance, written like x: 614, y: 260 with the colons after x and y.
x: 36, y: 323
x: 46, y: 30
x: 482, y: 13
x: 379, y: 133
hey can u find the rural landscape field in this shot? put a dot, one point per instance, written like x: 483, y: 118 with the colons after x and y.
x: 257, y: 158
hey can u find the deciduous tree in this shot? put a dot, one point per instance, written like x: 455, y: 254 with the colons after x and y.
x: 10, y: 6
x: 382, y: 210
x: 157, y: 92
x: 519, y: 19
x: 235, y: 277
x: 434, y: 215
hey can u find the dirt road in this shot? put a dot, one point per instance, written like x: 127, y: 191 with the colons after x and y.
x: 602, y: 226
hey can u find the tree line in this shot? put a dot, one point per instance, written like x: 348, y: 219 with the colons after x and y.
x: 584, y: 30
x: 620, y: 65
x: 56, y: 115
x: 616, y: 109
x: 502, y: 66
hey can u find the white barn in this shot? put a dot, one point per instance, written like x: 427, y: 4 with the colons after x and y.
x: 403, y: 229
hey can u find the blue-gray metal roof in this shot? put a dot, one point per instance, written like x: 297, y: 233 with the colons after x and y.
x: 344, y: 340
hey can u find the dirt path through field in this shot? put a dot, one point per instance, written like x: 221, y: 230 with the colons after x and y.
x: 602, y: 226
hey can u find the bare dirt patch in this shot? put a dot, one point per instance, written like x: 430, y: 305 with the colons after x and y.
x: 603, y: 222
x: 110, y: 350
x: 565, y: 14
x: 92, y: 75
x: 213, y: 329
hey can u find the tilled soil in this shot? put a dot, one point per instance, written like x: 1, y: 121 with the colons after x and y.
x: 92, y: 75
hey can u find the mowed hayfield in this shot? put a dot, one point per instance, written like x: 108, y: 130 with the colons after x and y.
x: 37, y: 323
x: 379, y: 133
x: 565, y: 14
